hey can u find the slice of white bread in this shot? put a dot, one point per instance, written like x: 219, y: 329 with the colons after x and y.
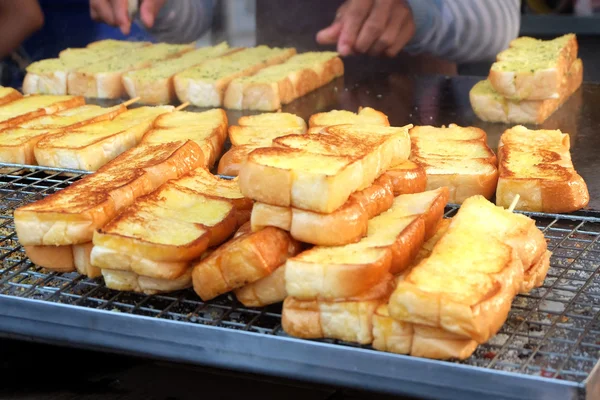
x: 329, y: 168
x: 347, y: 224
x: 490, y: 106
x: 407, y: 177
x: 154, y: 84
x: 8, y: 94
x: 245, y: 259
x: 532, y: 69
x: 102, y: 79
x: 232, y: 160
x: 23, y: 109
x: 273, y: 120
x: 392, y: 242
x: 17, y: 143
x: 132, y: 282
x: 50, y: 76
x: 348, y: 319
x: 467, y: 284
x: 90, y: 147
x: 537, y: 165
x: 277, y: 85
x: 208, y: 129
x: 205, y: 85
x: 265, y: 291
x: 365, y: 115
x: 455, y: 157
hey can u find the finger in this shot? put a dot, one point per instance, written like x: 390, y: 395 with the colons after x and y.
x: 392, y: 31
x: 121, y: 15
x: 374, y: 26
x: 331, y: 34
x: 354, y: 16
x: 149, y: 10
x: 101, y: 11
x: 407, y: 31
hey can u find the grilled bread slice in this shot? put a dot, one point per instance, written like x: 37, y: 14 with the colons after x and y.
x: 329, y: 168
x: 467, y: 284
x: 19, y: 111
x: 490, y: 106
x: 50, y: 76
x: 265, y: 291
x: 90, y: 147
x: 245, y: 259
x: 103, y: 78
x: 205, y: 85
x: 348, y: 319
x: 277, y: 85
x: 273, y: 120
x: 233, y: 159
x: 533, y: 69
x: 261, y: 129
x: 347, y: 224
x: 154, y: 84
x: 131, y: 282
x: 8, y: 94
x: 208, y: 129
x: 407, y: 177
x: 366, y: 115
x: 537, y: 165
x: 392, y: 242
x: 17, y: 143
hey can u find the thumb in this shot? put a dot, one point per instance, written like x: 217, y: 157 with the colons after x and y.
x: 330, y: 34
x: 149, y: 10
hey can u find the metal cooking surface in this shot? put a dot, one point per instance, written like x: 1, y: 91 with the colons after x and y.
x: 553, y: 332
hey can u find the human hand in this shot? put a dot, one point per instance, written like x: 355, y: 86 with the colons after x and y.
x: 373, y: 27
x: 115, y: 12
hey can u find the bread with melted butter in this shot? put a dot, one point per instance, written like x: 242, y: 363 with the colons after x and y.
x: 8, y: 94
x: 407, y: 177
x: 26, y: 108
x: 365, y: 115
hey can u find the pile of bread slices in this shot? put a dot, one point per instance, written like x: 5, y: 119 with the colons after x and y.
x: 340, y: 219
x: 529, y: 81
x: 257, y: 78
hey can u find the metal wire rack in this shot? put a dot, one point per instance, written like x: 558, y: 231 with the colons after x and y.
x: 553, y: 332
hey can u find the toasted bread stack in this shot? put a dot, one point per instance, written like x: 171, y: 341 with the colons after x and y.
x: 529, y: 81
x: 333, y: 292
x: 154, y: 84
x: 57, y: 231
x: 26, y: 108
x: 91, y: 146
x: 455, y: 157
x: 17, y: 143
x: 8, y: 94
x: 537, y: 165
x: 459, y: 294
x: 253, y: 132
x: 208, y: 129
x: 275, y: 86
x: 205, y: 84
x: 149, y: 247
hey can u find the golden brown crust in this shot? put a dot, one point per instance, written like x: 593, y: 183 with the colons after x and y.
x: 56, y: 258
x: 231, y: 162
x: 68, y: 102
x: 407, y: 178
x: 12, y: 95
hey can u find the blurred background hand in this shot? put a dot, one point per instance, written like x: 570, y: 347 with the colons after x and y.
x: 116, y: 12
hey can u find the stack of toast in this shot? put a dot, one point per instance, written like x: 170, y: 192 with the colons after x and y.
x: 457, y: 158
x: 529, y: 81
x: 537, y: 166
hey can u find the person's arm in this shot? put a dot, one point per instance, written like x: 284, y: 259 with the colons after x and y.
x: 18, y: 20
x: 464, y: 30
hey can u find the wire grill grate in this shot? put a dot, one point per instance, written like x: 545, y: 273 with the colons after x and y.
x: 553, y: 332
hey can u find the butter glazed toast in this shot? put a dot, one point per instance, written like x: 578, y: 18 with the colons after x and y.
x: 537, y: 165
x: 365, y: 115
x: 8, y: 94
x: 25, y: 108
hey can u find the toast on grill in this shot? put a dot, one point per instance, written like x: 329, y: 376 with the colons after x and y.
x: 491, y: 106
x: 467, y: 284
x: 392, y: 242
x: 21, y: 110
x: 205, y: 85
x: 232, y: 160
x: 8, y: 94
x: 154, y: 84
x: 321, y: 175
x: 348, y: 319
x: 537, y: 165
x: 265, y: 291
x: 50, y: 76
x: 244, y: 259
x: 277, y: 85
x: 102, y: 79
x: 347, y: 224
x: 407, y: 177
x: 366, y: 115
x: 91, y: 146
x: 132, y: 282
x: 17, y: 143
x: 273, y: 120
x: 457, y: 158
x: 532, y: 69
x: 208, y: 129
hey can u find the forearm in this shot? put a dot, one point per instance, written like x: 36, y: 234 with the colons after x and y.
x: 464, y: 30
x: 18, y: 20
x: 182, y: 21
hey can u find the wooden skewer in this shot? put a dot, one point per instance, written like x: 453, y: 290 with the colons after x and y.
x: 182, y: 106
x: 514, y: 203
x: 131, y: 101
